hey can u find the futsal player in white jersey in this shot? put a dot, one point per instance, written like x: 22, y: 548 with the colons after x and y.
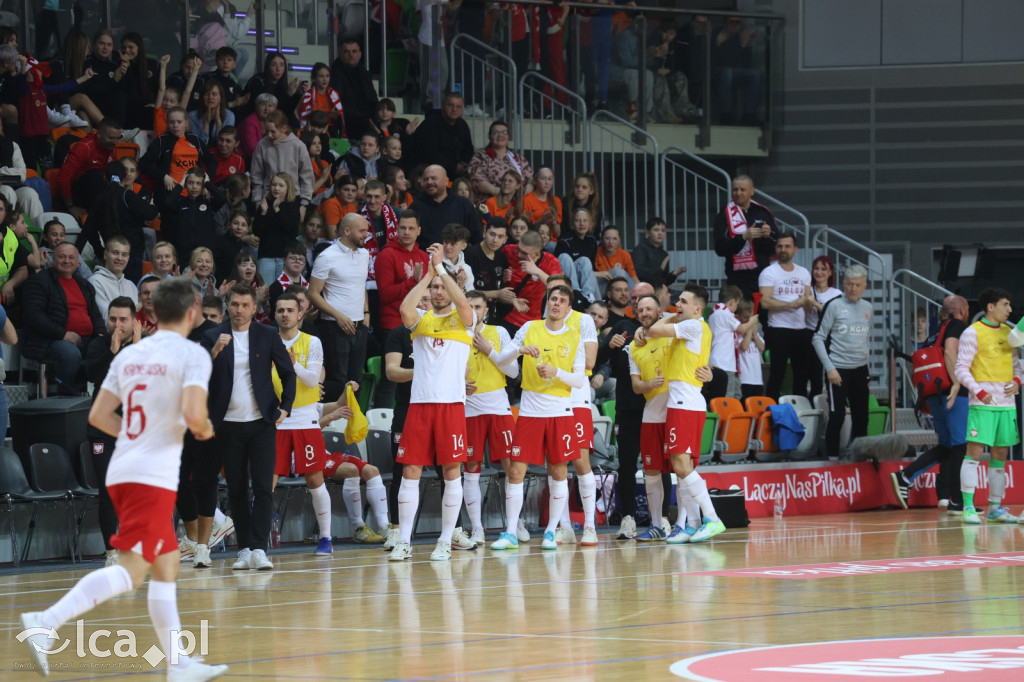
x: 583, y: 427
x: 435, y: 427
x: 161, y: 385
x: 489, y: 421
x: 553, y: 362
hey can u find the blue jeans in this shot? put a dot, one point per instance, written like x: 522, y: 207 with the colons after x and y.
x: 66, y: 358
x: 615, y: 272
x: 270, y: 269
x: 581, y: 272
x: 750, y: 90
x: 4, y: 417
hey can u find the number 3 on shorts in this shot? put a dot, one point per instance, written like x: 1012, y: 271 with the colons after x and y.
x: 579, y: 429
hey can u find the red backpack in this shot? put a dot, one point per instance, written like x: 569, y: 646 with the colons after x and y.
x: 929, y: 363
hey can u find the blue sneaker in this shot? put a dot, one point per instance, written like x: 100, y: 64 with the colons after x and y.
x: 506, y: 541
x: 1001, y: 514
x: 325, y: 548
x: 707, y: 531
x: 651, y: 534
x: 549, y: 541
x: 680, y: 536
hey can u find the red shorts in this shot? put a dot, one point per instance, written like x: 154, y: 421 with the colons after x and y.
x: 684, y: 430
x: 489, y: 429
x: 144, y: 514
x: 434, y: 433
x: 584, y: 427
x: 652, y: 447
x: 336, y: 459
x: 537, y: 436
x: 308, y: 447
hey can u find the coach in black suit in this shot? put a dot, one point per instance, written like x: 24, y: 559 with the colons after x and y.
x: 245, y: 414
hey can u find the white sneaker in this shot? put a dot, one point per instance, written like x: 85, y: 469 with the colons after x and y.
x: 478, y: 536
x: 589, y: 538
x: 74, y: 120
x: 391, y: 538
x: 195, y: 671
x: 258, y: 560
x: 129, y: 135
x: 627, y: 529
x: 401, y: 551
x: 221, y: 530
x: 565, y: 536
x: 56, y: 119
x: 202, y: 557
x: 39, y: 642
x: 944, y: 503
x: 461, y: 541
x: 186, y: 548
x: 111, y: 559
x: 242, y: 564
x: 475, y: 110
x: 521, y: 532
x: 666, y: 526
x: 442, y: 551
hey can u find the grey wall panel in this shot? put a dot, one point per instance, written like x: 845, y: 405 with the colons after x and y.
x: 887, y: 93
x: 966, y: 112
x: 992, y: 153
x: 921, y: 31
x: 842, y: 33
x: 847, y: 116
x: 958, y: 133
x: 937, y: 177
x: 833, y: 97
x: 822, y: 137
x: 992, y: 30
x: 948, y: 193
x: 789, y: 158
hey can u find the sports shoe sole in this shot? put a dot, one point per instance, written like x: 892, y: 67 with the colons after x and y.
x: 894, y: 481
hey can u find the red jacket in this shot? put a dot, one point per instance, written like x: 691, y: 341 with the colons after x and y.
x: 533, y: 290
x: 394, y: 272
x: 84, y: 156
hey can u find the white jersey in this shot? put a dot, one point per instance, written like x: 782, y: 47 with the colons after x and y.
x: 305, y: 416
x: 723, y: 324
x: 148, y: 378
x: 580, y: 397
x: 787, y: 286
x: 750, y: 363
x: 440, y: 372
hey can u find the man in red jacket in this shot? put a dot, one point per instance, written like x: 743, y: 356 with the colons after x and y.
x: 399, y: 267
x: 80, y: 179
x: 527, y: 274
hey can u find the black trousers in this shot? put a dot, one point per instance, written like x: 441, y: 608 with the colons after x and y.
x: 791, y: 346
x: 628, y: 440
x: 249, y: 452
x: 102, y: 451
x: 397, y: 424
x: 949, y: 459
x: 854, y: 388
x: 344, y: 356
x: 384, y: 396
x: 718, y: 387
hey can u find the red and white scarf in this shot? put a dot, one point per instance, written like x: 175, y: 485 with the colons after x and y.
x: 286, y: 281
x: 745, y: 259
x: 390, y: 230
x: 306, y: 106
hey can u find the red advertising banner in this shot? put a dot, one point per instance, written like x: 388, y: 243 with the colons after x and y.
x: 842, y: 487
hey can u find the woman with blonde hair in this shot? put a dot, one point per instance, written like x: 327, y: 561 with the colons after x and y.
x: 276, y: 225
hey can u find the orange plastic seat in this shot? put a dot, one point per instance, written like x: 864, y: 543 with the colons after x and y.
x: 735, y: 426
x: 764, y: 432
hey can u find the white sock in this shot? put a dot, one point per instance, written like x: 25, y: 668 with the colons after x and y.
x: 92, y: 590
x: 969, y: 475
x: 588, y: 496
x: 558, y: 500
x: 513, y: 505
x: 377, y: 496
x: 689, y: 508
x: 163, y: 611
x: 322, y: 509
x: 699, y: 489
x: 996, y: 486
x: 472, y: 495
x: 564, y: 520
x: 408, y: 502
x: 655, y: 496
x: 353, y: 502
x: 218, y: 516
x: 451, y: 507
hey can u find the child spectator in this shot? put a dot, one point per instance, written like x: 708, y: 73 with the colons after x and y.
x: 455, y: 238
x: 238, y: 239
x: 398, y: 188
x: 577, y: 251
x: 109, y: 280
x: 245, y: 271
x: 206, y: 121
x: 229, y: 161
x: 321, y: 169
x: 462, y: 188
x: 387, y: 126
x: 542, y: 204
x: 613, y: 261
x: 172, y: 154
x: 188, y: 221
x: 516, y: 229
x: 322, y: 97
x: 585, y: 195
x: 281, y: 152
x: 312, y: 235
x: 70, y: 68
x: 169, y: 96
x: 361, y: 162
x: 273, y: 80
x: 650, y: 258
x: 339, y: 205
x: 508, y: 202
x: 137, y: 83
x: 294, y: 266
x: 237, y: 198
x: 188, y: 80
x: 725, y: 327
x: 751, y: 350
x: 227, y: 58
x: 54, y: 234
x: 390, y: 155
x: 276, y: 221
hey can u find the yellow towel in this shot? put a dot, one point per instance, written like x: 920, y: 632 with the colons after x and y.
x: 357, y: 427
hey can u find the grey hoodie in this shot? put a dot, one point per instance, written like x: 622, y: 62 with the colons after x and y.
x: 108, y: 287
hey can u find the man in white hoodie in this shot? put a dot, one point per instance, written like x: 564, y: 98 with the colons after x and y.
x: 109, y: 280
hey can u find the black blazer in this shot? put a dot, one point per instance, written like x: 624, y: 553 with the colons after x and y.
x: 265, y: 350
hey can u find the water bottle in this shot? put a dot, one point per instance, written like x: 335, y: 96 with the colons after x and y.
x: 777, y: 500
x: 275, y: 533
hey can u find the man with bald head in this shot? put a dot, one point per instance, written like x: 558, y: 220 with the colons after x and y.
x: 744, y: 234
x: 949, y: 413
x: 438, y: 207
x: 337, y: 287
x: 61, y: 317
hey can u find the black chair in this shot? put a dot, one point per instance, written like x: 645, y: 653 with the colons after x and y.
x: 51, y: 472
x: 86, y: 470
x: 14, y: 488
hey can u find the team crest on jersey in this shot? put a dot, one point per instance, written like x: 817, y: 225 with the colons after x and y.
x: 401, y: 452
x: 301, y: 358
x: 469, y: 450
x: 974, y: 433
x: 452, y: 322
x: 515, y: 450
x: 398, y: 438
x: 563, y: 351
x: 97, y: 448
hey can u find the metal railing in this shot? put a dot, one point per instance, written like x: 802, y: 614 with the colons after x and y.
x: 488, y: 81
x: 626, y: 158
x: 910, y: 295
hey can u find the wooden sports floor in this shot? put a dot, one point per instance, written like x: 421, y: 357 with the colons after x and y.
x: 619, y: 611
